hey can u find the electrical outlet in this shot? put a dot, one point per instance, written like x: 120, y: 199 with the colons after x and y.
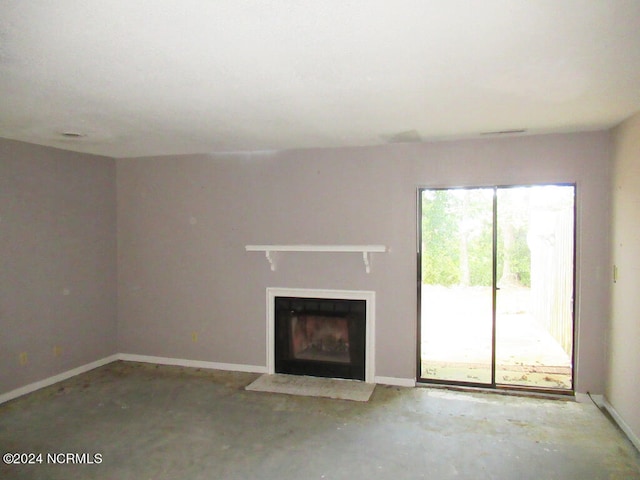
x: 194, y: 336
x: 23, y: 358
x: 57, y: 351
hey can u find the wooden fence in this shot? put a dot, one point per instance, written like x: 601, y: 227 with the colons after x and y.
x: 551, y: 242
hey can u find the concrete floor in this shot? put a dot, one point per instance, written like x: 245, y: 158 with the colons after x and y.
x: 156, y: 422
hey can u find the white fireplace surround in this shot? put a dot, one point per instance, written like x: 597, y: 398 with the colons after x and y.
x: 368, y: 296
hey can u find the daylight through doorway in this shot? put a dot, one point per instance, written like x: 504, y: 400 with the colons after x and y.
x: 496, y: 286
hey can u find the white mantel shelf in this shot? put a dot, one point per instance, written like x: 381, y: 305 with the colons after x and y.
x: 365, y: 250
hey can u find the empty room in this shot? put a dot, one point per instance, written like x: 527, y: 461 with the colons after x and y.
x: 328, y: 239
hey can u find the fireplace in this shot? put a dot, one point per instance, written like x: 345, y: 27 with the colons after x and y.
x: 322, y: 333
x: 322, y: 337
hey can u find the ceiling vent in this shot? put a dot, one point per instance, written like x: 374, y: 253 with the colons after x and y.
x: 505, y: 132
x: 409, y: 136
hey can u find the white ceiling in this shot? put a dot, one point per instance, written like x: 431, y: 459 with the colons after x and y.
x: 151, y: 77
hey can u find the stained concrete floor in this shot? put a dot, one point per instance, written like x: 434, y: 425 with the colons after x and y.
x: 158, y: 422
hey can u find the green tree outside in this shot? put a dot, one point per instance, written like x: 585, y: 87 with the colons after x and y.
x: 457, y: 239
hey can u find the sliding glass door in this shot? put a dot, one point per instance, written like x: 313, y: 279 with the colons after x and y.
x: 456, y: 295
x: 496, y: 286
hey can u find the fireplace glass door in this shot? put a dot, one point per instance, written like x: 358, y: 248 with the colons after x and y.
x: 320, y: 337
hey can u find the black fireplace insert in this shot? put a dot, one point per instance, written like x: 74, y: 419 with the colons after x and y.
x: 321, y: 337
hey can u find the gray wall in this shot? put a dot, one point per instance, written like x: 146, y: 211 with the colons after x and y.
x: 183, y: 223
x: 58, y: 261
x: 623, y: 388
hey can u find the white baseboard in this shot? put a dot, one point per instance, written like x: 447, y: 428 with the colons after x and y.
x: 622, y: 424
x: 233, y: 367
x: 129, y: 357
x: 582, y: 398
x: 32, y: 387
x: 598, y: 399
x: 395, y: 381
x: 236, y: 367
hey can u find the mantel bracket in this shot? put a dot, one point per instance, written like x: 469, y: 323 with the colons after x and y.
x: 365, y: 258
x: 271, y: 260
